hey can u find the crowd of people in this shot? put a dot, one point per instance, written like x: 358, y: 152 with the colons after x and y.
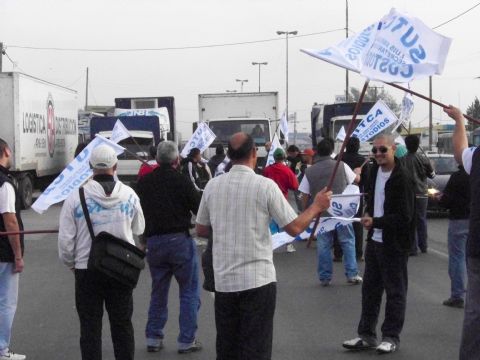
x: 238, y: 262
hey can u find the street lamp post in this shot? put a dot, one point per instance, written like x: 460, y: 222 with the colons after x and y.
x: 286, y: 33
x: 241, y: 83
x: 259, y: 66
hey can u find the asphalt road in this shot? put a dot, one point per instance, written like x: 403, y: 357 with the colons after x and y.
x: 310, y: 321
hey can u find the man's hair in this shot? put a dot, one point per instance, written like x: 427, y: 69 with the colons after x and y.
x: 219, y: 150
x: 412, y: 143
x: 152, y: 150
x: 3, y: 146
x: 167, y: 152
x: 390, y: 139
x: 325, y: 147
x: 243, y: 151
x: 193, y: 152
x: 353, y: 145
x: 293, y: 148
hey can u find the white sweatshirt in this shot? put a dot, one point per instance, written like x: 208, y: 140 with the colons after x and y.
x: 120, y: 214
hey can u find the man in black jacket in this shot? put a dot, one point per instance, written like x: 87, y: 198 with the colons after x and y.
x: 420, y: 169
x: 168, y: 198
x: 389, y: 220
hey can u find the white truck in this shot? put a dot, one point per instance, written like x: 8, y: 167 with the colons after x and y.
x: 39, y: 122
x: 228, y: 113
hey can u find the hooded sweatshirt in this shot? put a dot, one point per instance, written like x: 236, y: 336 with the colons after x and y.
x: 120, y: 214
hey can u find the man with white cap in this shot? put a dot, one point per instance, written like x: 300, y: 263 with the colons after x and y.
x: 114, y: 208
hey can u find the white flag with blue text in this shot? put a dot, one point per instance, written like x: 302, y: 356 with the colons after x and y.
x: 201, y: 139
x: 73, y: 176
x: 379, y: 118
x: 398, y: 48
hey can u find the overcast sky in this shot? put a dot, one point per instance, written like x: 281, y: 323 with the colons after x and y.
x: 128, y: 24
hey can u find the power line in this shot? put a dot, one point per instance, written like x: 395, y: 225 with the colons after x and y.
x: 14, y: 63
x: 456, y: 17
x: 168, y: 48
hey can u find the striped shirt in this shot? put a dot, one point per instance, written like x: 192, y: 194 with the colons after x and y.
x: 239, y: 206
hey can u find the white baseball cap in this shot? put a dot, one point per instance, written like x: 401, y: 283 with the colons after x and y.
x: 103, y: 157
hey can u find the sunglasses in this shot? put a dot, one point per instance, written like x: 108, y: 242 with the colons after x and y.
x: 381, y: 149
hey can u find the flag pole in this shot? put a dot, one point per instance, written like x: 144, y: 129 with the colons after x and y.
x: 469, y: 118
x: 28, y: 232
x: 351, y: 127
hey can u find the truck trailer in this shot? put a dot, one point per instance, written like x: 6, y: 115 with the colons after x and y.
x: 228, y: 113
x: 39, y: 122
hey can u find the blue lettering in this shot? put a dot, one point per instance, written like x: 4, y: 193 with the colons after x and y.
x: 407, y: 74
x: 417, y: 54
x: 401, y: 22
x: 404, y: 39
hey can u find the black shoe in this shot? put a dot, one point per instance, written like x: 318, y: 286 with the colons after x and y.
x: 424, y: 251
x: 358, y: 344
x: 455, y: 303
x: 196, y: 346
x: 154, y: 348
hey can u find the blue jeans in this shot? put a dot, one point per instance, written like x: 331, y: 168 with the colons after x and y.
x: 173, y: 255
x: 457, y: 240
x: 346, y: 238
x: 8, y: 303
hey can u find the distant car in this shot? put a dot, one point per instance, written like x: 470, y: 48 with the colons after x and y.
x: 444, y: 166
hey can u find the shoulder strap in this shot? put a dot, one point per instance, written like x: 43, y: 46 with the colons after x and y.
x: 85, y: 212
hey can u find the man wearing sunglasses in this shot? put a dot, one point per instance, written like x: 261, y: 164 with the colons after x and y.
x: 389, y: 221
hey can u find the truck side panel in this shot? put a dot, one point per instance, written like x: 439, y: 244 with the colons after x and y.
x: 46, y: 133
x: 7, y: 110
x: 241, y: 105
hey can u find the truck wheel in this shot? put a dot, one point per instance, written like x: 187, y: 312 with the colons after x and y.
x: 25, y: 189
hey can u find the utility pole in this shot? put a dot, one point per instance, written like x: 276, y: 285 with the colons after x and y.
x: 2, y: 52
x: 86, y: 92
x: 346, y: 70
x: 259, y: 65
x: 430, y: 116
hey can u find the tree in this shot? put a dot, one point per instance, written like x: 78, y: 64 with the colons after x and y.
x: 474, y: 111
x: 375, y: 93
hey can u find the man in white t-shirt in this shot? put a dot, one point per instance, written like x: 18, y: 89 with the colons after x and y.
x: 11, y: 252
x: 470, y: 158
x: 389, y: 221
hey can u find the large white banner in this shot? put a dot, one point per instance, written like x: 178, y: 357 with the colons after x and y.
x: 201, y: 139
x: 398, y: 48
x: 72, y: 177
x: 343, y: 208
x: 162, y: 114
x: 379, y: 118
x: 275, y: 144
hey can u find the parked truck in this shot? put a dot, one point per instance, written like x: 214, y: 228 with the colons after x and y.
x: 228, y: 113
x: 147, y: 103
x: 327, y: 120
x: 145, y: 132
x: 39, y: 122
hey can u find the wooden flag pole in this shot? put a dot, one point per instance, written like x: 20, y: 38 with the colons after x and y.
x: 350, y: 129
x: 469, y: 118
x: 28, y: 232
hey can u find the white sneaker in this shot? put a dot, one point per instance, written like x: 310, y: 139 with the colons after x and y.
x: 355, y: 280
x: 386, y: 347
x: 12, y: 356
x: 358, y: 344
x: 291, y: 248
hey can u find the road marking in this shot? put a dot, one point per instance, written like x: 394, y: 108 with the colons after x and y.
x: 438, y: 252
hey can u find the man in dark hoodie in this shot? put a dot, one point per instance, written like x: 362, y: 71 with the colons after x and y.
x: 389, y: 221
x: 216, y: 159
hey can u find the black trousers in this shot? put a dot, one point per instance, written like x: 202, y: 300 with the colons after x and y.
x: 244, y: 322
x: 383, y: 271
x: 92, y: 290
